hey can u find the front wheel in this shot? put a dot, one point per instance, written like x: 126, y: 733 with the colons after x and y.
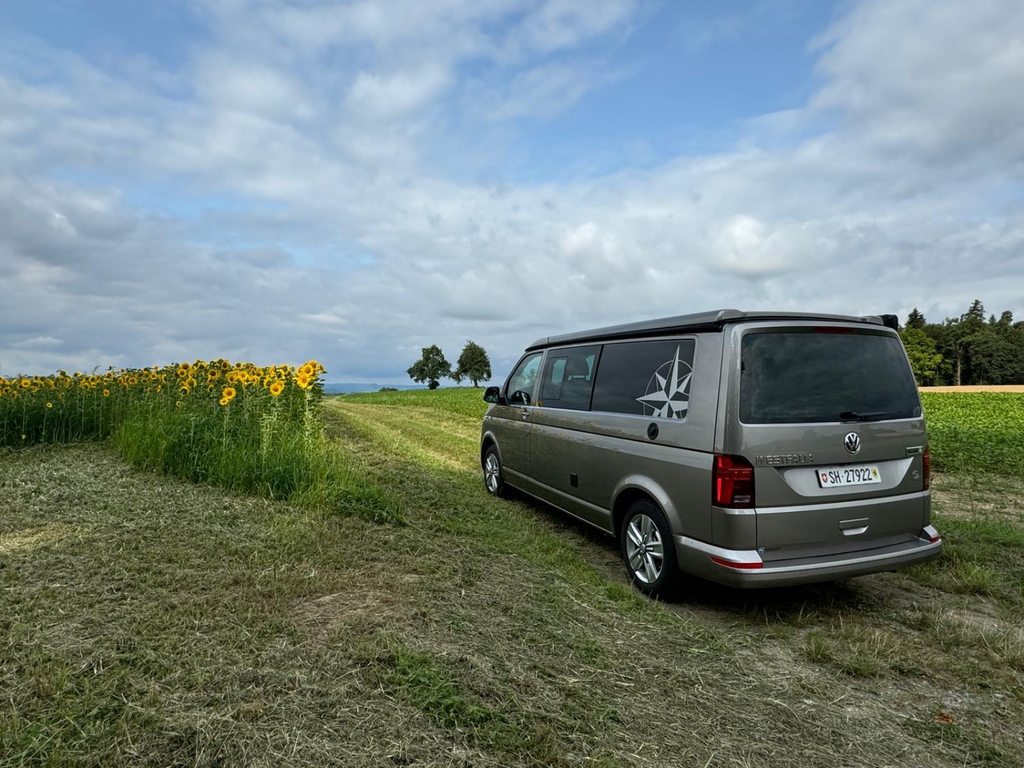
x: 648, y: 550
x: 494, y: 482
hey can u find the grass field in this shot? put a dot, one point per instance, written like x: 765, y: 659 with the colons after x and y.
x: 149, y: 621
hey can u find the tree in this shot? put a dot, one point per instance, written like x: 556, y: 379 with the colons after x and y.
x: 924, y: 359
x: 995, y: 360
x: 431, y: 367
x: 473, y: 364
x: 976, y: 347
x: 950, y: 339
x: 915, y: 319
x: 974, y: 317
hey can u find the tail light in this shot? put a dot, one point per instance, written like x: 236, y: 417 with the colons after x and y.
x: 926, y: 467
x: 732, y: 482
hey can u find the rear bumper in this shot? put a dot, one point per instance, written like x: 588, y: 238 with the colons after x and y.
x: 746, y: 569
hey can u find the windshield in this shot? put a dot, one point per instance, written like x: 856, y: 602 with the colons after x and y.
x: 794, y: 377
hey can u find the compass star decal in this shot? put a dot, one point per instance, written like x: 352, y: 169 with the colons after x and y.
x: 668, y: 391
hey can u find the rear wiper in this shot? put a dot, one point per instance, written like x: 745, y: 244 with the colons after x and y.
x: 862, y: 415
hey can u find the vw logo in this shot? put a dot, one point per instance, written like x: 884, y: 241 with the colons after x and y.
x: 852, y: 442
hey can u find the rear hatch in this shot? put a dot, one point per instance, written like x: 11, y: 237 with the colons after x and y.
x: 829, y: 416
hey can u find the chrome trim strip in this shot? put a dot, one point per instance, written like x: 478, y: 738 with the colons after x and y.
x: 843, y: 504
x: 734, y: 511
x: 751, y: 556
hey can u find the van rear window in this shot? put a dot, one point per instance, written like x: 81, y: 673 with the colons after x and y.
x: 799, y: 377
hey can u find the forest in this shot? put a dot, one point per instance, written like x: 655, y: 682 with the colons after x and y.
x: 964, y: 350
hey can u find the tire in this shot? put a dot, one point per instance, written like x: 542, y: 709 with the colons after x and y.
x: 648, y: 550
x: 494, y: 478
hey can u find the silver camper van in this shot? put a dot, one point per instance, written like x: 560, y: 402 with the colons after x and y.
x: 754, y: 449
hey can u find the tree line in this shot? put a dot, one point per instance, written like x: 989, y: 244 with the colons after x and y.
x: 968, y: 349
x: 473, y: 365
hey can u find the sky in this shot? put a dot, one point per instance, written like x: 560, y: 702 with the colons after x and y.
x: 353, y: 181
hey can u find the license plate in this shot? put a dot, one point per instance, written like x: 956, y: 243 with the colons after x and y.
x: 860, y: 474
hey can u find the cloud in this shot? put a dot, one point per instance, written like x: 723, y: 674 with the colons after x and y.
x: 929, y: 81
x: 542, y: 91
x: 38, y: 342
x: 284, y: 195
x: 390, y: 96
x: 561, y: 24
x: 251, y: 87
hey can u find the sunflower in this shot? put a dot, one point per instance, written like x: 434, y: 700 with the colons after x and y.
x: 106, y: 393
x: 185, y: 389
x: 303, y: 381
x: 228, y: 394
x: 276, y: 388
x: 49, y: 404
x: 224, y: 400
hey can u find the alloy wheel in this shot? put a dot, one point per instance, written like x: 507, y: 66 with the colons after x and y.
x: 645, y: 549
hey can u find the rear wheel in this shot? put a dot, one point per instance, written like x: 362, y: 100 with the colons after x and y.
x: 494, y: 481
x: 647, y: 548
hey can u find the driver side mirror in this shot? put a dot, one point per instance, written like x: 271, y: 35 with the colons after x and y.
x: 492, y: 395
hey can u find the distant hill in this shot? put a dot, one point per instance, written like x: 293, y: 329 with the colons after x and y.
x: 346, y: 387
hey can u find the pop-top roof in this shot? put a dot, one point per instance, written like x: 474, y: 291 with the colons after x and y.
x: 713, y: 320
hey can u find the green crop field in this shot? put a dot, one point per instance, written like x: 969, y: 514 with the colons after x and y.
x: 149, y: 620
x: 465, y: 401
x: 976, y: 431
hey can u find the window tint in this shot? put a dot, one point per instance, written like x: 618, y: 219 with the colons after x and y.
x: 569, y: 378
x: 524, y: 377
x: 646, y: 378
x: 813, y: 377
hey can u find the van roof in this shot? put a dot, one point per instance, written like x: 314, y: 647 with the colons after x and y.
x: 699, y: 321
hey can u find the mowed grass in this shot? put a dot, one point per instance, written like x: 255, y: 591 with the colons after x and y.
x: 154, y: 622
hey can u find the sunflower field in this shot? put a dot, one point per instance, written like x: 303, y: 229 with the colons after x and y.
x: 256, y: 429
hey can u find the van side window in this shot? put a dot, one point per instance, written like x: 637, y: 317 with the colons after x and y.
x: 519, y: 389
x: 646, y: 378
x: 569, y: 378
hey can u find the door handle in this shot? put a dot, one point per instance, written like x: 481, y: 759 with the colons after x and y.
x: 854, y: 527
x: 525, y: 413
